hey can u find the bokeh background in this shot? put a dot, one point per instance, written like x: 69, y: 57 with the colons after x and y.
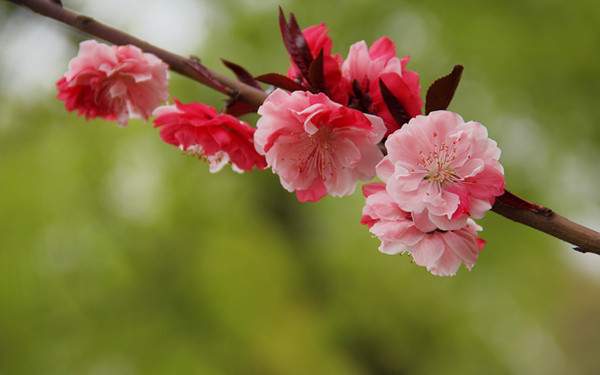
x: 119, y: 255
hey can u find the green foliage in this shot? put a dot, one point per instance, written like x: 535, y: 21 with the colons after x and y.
x: 119, y: 255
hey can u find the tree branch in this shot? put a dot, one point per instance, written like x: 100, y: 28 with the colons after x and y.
x: 585, y: 239
x: 179, y: 64
x: 545, y: 220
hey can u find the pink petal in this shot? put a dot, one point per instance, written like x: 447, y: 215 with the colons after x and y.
x: 316, y: 191
x: 427, y: 252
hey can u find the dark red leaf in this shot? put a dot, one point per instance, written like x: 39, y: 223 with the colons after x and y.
x: 295, y: 43
x: 316, y: 74
x: 237, y: 107
x: 360, y: 100
x: 280, y: 81
x: 514, y: 201
x: 440, y: 93
x: 393, y: 105
x: 241, y: 73
x: 207, y: 76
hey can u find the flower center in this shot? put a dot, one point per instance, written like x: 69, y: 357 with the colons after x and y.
x: 317, y: 152
x: 442, y: 176
x: 322, y: 137
x: 439, y: 164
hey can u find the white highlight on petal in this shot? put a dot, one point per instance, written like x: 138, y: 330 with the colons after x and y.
x: 217, y: 161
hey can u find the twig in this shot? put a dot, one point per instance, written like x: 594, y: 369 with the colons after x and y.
x: 179, y: 64
x: 585, y: 239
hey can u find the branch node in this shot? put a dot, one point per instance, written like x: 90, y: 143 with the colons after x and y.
x: 544, y: 211
x: 582, y: 250
x: 234, y: 94
x: 84, y: 21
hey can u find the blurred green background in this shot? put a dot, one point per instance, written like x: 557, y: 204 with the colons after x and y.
x: 119, y: 255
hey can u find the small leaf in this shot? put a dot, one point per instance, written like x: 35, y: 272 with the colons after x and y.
x: 393, y: 105
x: 360, y: 100
x: 316, y: 74
x: 509, y: 199
x: 441, y: 92
x: 280, y: 81
x: 207, y: 77
x: 237, y: 107
x: 241, y: 74
x: 295, y: 43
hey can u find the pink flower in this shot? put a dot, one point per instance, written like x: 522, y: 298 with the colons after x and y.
x: 367, y: 65
x: 441, y: 252
x: 317, y: 146
x: 200, y: 130
x: 442, y: 169
x: 113, y: 82
x: 317, y: 39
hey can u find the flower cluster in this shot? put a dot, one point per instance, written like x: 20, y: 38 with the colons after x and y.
x: 324, y: 143
x: 331, y: 123
x: 355, y: 80
x: 121, y: 82
x: 439, y: 172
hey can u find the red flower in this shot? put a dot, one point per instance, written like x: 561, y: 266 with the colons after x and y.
x: 318, y: 40
x: 200, y: 130
x: 367, y: 66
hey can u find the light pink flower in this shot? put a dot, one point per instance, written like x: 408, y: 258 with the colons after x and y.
x: 367, y: 65
x: 113, y: 82
x: 200, y: 130
x: 442, y: 169
x: 317, y: 146
x: 441, y: 252
x: 317, y: 38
